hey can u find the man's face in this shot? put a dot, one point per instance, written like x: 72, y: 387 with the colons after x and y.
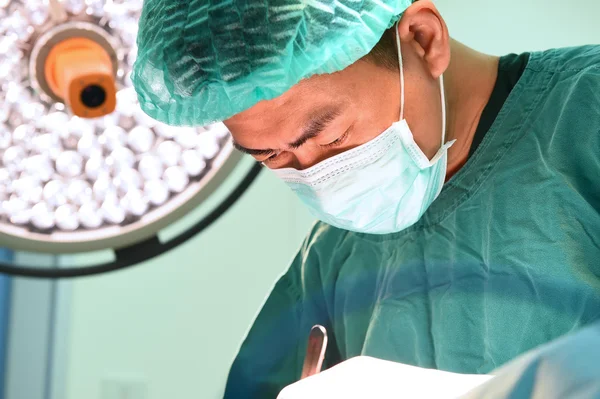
x: 319, y: 117
x: 325, y: 115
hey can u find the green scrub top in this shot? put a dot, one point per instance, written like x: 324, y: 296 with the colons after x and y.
x: 506, y: 258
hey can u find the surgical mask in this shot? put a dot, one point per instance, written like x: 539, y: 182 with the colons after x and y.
x: 382, y: 186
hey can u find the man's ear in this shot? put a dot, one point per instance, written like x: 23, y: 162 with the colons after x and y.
x: 424, y: 30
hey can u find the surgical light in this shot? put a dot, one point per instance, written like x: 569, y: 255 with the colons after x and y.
x: 74, y: 176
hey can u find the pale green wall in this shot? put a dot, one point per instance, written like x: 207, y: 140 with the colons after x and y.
x: 177, y: 321
x: 512, y: 26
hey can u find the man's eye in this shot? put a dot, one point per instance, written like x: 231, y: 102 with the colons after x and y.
x: 272, y: 157
x: 339, y: 141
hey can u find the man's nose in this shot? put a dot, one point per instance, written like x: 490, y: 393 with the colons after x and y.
x: 309, y: 155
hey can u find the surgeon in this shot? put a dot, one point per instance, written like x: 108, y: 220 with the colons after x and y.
x: 458, y: 193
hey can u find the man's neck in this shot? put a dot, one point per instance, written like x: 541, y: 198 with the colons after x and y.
x: 469, y: 81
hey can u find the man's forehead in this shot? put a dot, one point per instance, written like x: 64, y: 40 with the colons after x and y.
x: 294, y: 105
x: 264, y: 116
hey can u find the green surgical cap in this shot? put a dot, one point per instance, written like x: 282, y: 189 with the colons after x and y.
x: 203, y: 61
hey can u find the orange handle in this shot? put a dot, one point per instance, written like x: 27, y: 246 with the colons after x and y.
x: 79, y: 71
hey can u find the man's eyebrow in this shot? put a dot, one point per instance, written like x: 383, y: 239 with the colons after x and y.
x: 250, y: 151
x: 316, y: 125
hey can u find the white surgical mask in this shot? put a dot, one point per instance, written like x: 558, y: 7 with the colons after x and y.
x: 382, y: 186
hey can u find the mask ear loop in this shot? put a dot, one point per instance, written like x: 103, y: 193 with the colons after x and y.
x: 442, y: 91
x: 443, y: 95
x: 401, y: 65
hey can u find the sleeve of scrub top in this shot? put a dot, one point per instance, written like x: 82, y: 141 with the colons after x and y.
x: 272, y: 353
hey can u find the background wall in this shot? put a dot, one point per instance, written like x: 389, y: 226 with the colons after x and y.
x: 514, y: 26
x: 173, y: 325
